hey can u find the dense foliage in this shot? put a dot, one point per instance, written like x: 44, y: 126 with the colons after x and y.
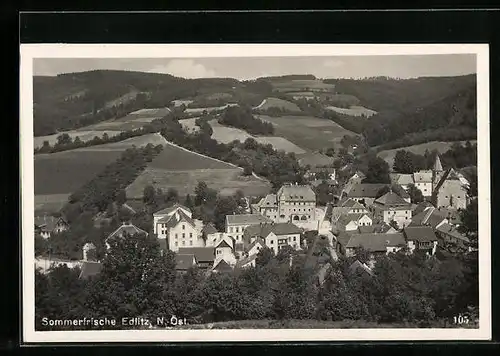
x: 242, y: 118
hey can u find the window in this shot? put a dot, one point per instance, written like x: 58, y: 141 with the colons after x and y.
x: 183, y: 235
x: 176, y: 235
x: 230, y: 229
x: 190, y: 242
x: 237, y: 229
x: 183, y: 243
x: 295, y: 238
x: 191, y: 235
x: 271, y: 242
x: 183, y: 227
x: 176, y: 243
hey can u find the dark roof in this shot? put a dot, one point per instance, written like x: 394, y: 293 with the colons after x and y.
x: 130, y: 229
x: 255, y: 242
x: 365, y: 190
x: 419, y: 233
x: 246, y: 219
x: 184, y: 261
x: 209, y: 229
x: 276, y: 228
x: 450, y: 174
x: 90, y: 269
x: 375, y: 228
x: 223, y: 243
x: 245, y: 261
x: 391, y: 199
x: 202, y: 254
x: 322, y: 169
x: 421, y: 207
x: 170, y: 209
x: 347, y: 218
x: 175, y: 219
x: 239, y: 246
x: 452, y: 231
x: 222, y: 266
x: 376, y: 242
x: 350, y: 203
x: 358, y: 266
x: 296, y: 192
x: 428, y: 217
x: 48, y: 223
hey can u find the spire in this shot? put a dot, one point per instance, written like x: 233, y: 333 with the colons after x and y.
x: 437, y: 164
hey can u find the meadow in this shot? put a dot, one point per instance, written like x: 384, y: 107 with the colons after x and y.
x: 442, y: 147
x: 353, y: 111
x: 225, y: 134
x: 308, y: 132
x: 177, y: 168
x: 277, y: 103
x: 198, y: 111
x: 301, y: 84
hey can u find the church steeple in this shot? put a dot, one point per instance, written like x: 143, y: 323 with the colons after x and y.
x: 437, y: 165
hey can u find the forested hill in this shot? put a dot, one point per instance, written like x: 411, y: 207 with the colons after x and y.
x: 397, y: 95
x: 452, y: 118
x: 74, y: 100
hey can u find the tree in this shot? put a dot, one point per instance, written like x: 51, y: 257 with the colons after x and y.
x: 64, y: 139
x: 469, y: 217
x: 201, y: 193
x: 416, y: 195
x: 172, y: 195
x: 378, y: 171
x: 285, y: 254
x: 41, y: 245
x: 121, y: 197
x: 188, y: 203
x: 224, y: 206
x: 264, y: 256
x: 330, y: 152
x: 247, y: 170
x: 149, y: 195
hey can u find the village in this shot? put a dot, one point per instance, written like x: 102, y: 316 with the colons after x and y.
x: 374, y: 218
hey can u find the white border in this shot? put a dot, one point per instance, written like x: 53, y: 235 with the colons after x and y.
x: 31, y: 51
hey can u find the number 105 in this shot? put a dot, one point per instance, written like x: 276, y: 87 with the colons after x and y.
x: 461, y: 319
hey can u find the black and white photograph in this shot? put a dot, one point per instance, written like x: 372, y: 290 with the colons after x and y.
x: 255, y: 192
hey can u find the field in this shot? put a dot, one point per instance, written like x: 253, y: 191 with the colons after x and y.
x: 277, y: 103
x: 226, y: 134
x: 180, y: 102
x: 353, y: 111
x: 177, y: 168
x: 84, y: 134
x: 144, y: 113
x: 308, y: 132
x: 215, y: 96
x: 190, y: 124
x: 442, y: 147
x: 57, y: 175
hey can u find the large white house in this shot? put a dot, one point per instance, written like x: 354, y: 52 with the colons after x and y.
x: 178, y: 228
x: 237, y: 223
x: 391, y: 207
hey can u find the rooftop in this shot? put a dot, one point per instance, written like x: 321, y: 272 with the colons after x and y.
x: 184, y: 261
x: 171, y: 209
x: 222, y: 266
x: 376, y: 242
x: 420, y: 233
x: 90, y: 269
x: 296, y: 192
x: 276, y: 228
x: 245, y: 261
x: 209, y: 229
x: 402, y: 179
x: 175, y: 219
x: 126, y: 228
x: 246, y: 219
x: 452, y: 231
x: 391, y: 199
x: 423, y: 176
x: 365, y: 190
x: 202, y: 254
x: 47, y: 223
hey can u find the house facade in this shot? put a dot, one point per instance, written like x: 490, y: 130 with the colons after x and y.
x: 374, y: 243
x: 391, y: 207
x: 351, y: 222
x: 421, y: 238
x: 236, y: 224
x: 46, y: 226
x: 178, y: 228
x: 451, y: 191
x: 274, y: 235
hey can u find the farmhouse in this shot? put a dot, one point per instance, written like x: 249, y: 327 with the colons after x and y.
x: 204, y: 256
x: 391, y: 207
x: 421, y: 238
x: 178, y: 228
x: 126, y: 229
x: 274, y: 235
x: 237, y: 223
x: 48, y: 225
x: 376, y: 243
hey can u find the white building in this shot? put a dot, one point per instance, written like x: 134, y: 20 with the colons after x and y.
x: 391, y: 207
x: 178, y: 228
x: 237, y: 223
x: 274, y: 235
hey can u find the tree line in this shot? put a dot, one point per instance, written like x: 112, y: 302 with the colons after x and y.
x: 242, y: 118
x: 139, y: 279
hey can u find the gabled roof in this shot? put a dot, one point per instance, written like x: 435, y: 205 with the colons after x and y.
x: 277, y: 228
x: 90, y: 269
x: 365, y: 190
x: 450, y: 174
x: 246, y: 219
x: 222, y: 266
x: 452, y: 231
x: 428, y: 217
x: 258, y: 240
x: 48, y: 223
x: 222, y: 243
x: 184, y: 261
x: 328, y: 170
x: 419, y: 233
x: 296, y: 192
x: 347, y: 218
x: 209, y: 229
x: 377, y: 228
x: 391, y: 199
x: 358, y: 266
x: 202, y: 254
x: 174, y: 219
x: 350, y: 203
x: 269, y: 200
x: 171, y: 209
x: 376, y: 242
x: 245, y: 261
x: 402, y: 179
x: 421, y: 207
x: 125, y: 228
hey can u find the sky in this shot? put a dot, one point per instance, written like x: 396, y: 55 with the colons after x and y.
x: 401, y: 66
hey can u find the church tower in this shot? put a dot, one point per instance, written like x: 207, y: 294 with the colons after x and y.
x: 437, y: 171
